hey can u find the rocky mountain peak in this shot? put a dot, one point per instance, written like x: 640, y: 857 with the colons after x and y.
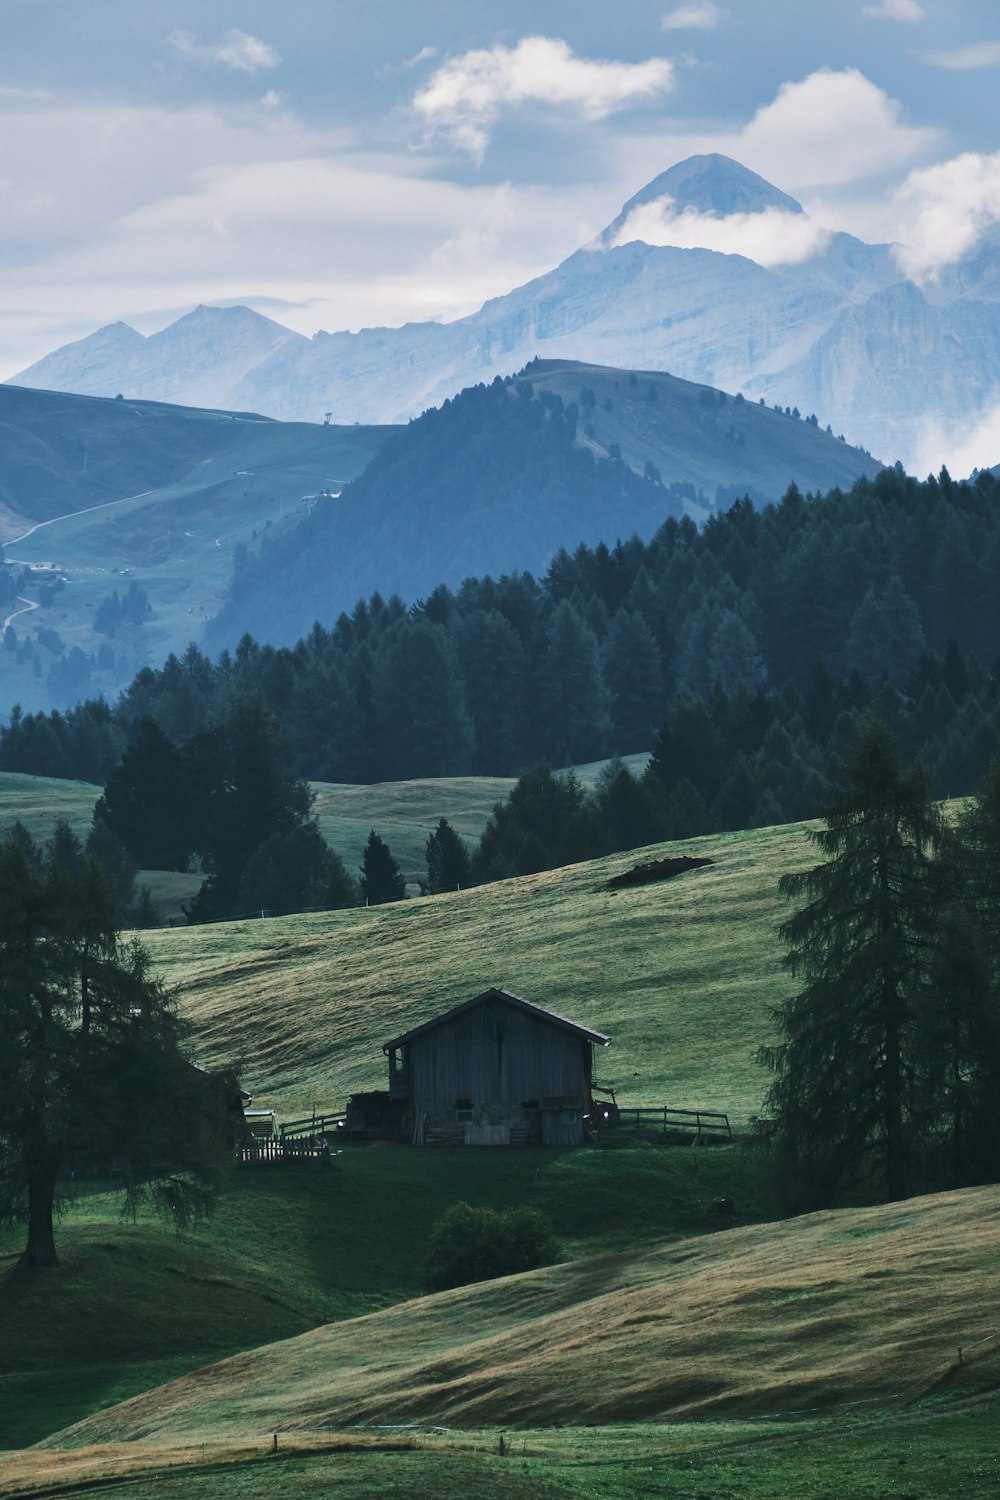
x: 711, y: 184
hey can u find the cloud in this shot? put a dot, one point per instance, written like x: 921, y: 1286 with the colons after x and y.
x: 832, y: 127
x: 896, y: 10
x: 465, y: 97
x: 237, y: 49
x: 973, y: 443
x: 114, y: 211
x: 771, y: 237
x: 948, y: 207
x: 964, y: 59
x: 700, y: 17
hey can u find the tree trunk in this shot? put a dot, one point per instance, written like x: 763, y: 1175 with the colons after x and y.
x: 41, y: 1247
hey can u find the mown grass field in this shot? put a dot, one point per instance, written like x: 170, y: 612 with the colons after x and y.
x: 133, y: 1305
x: 814, y: 1357
x: 679, y: 974
x: 934, y: 1455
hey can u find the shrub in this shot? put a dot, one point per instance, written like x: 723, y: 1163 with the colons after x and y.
x: 476, y: 1244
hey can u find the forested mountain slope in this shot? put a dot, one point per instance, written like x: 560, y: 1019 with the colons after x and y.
x: 761, y: 641
x: 499, y: 479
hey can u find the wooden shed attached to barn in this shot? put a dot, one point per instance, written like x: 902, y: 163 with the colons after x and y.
x: 495, y: 1071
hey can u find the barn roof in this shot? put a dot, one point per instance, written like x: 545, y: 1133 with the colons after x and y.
x: 508, y: 998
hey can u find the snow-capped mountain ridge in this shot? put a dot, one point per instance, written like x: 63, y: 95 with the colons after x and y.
x: 840, y: 332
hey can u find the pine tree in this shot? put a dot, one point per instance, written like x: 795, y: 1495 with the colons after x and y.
x: 144, y: 804
x: 381, y: 878
x: 633, y: 671
x: 847, y: 1097
x: 424, y: 728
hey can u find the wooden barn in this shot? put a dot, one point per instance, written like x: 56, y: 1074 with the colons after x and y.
x: 495, y: 1071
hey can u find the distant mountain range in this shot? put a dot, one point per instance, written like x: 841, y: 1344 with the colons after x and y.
x: 842, y: 334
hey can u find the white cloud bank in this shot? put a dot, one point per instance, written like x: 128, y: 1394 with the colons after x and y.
x: 830, y: 127
x: 771, y: 237
x: 963, y: 446
x: 896, y: 10
x: 965, y: 59
x: 237, y: 49
x: 948, y: 207
x: 700, y: 17
x: 466, y: 96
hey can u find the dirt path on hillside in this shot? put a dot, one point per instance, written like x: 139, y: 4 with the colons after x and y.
x: 54, y: 520
x: 29, y: 605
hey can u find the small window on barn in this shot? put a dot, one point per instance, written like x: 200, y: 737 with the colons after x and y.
x: 463, y: 1109
x: 529, y: 1103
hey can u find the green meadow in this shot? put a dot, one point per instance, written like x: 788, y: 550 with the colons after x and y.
x: 814, y: 1357
x: 674, y: 1352
x: 403, y: 812
x: 679, y: 974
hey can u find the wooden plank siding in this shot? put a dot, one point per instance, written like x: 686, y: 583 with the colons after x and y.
x: 496, y: 1071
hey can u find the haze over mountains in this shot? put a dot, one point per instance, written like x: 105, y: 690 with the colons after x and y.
x: 828, y: 323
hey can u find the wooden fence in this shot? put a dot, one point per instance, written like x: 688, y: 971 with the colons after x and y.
x: 258, y: 1152
x: 662, y: 1117
x: 311, y: 1125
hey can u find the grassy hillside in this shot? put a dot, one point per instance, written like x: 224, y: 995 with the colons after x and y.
x: 679, y: 974
x: 868, y: 1304
x: 66, y: 452
x: 404, y: 812
x: 40, y: 801
x: 697, y: 435
x: 176, y: 489
x: 841, y: 1314
x: 133, y: 1305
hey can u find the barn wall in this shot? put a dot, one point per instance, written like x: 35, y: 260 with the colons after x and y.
x: 497, y: 1052
x: 500, y: 1059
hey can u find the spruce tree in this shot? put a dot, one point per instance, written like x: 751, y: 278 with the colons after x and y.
x: 381, y: 878
x: 447, y: 860
x: 847, y: 1099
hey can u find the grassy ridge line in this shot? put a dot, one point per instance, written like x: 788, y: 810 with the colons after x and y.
x: 815, y: 1313
x: 679, y: 974
x: 404, y: 812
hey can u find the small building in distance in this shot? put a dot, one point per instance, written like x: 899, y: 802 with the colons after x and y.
x: 497, y: 1070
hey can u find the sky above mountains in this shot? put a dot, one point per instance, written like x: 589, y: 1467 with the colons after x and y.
x: 335, y: 164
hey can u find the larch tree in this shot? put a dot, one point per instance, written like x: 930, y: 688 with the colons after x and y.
x: 92, y: 1069
x: 848, y: 1098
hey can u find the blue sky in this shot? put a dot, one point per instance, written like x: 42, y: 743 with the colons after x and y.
x: 340, y: 164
